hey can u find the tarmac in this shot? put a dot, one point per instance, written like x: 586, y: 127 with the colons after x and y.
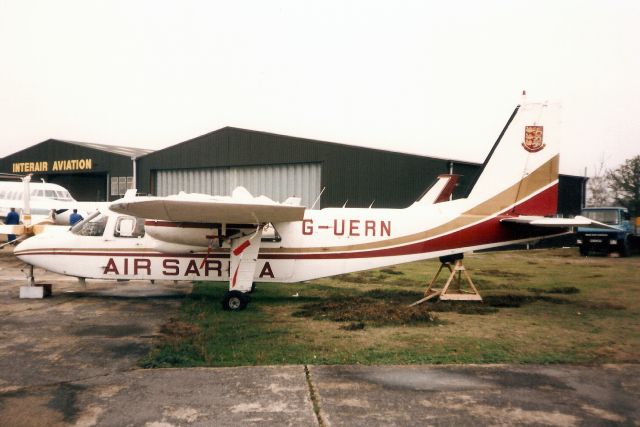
x: 70, y: 360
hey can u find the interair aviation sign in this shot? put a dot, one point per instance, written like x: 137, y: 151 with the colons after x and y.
x: 57, y: 165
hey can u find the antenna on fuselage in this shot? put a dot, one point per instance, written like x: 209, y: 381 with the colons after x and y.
x: 318, y: 198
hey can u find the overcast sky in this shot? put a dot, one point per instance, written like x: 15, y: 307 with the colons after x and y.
x: 432, y: 78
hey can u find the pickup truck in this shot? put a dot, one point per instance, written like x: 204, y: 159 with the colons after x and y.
x: 622, y: 238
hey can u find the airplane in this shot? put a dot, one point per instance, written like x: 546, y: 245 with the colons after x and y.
x: 42, y: 206
x: 243, y: 239
x: 43, y: 196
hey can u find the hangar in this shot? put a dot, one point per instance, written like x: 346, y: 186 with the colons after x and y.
x: 91, y: 172
x: 334, y: 174
x: 279, y: 166
x: 323, y: 174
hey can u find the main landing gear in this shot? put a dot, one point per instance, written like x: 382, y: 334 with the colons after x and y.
x: 242, y: 267
x: 235, y: 301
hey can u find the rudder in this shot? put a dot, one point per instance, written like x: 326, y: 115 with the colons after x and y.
x: 521, y: 171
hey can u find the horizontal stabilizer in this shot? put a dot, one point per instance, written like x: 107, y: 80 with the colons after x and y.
x: 537, y: 221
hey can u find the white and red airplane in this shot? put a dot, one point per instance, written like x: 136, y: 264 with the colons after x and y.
x: 242, y: 239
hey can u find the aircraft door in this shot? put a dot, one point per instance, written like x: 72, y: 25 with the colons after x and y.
x: 129, y: 226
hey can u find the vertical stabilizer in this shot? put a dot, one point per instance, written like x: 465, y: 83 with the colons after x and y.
x: 521, y: 171
x: 440, y: 191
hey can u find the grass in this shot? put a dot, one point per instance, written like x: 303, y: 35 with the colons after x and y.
x: 541, y: 306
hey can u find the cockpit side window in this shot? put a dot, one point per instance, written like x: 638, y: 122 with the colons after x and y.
x: 129, y: 226
x: 94, y: 225
x: 270, y: 234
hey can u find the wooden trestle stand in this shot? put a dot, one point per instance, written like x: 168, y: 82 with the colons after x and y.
x: 452, y: 293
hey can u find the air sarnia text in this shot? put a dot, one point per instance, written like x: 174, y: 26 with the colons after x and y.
x: 176, y: 268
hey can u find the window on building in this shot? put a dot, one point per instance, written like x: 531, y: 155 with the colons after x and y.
x: 120, y: 185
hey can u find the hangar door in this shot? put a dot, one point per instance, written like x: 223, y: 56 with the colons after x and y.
x: 274, y: 181
x: 86, y: 187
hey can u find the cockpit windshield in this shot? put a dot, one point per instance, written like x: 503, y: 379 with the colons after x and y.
x: 94, y: 225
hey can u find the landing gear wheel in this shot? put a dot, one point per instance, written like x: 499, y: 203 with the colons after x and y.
x: 584, y: 250
x: 235, y: 301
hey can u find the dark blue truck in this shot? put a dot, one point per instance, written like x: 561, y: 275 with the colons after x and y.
x: 623, y: 238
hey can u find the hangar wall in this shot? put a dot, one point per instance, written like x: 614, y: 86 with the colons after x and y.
x: 85, y: 169
x: 277, y: 166
x: 353, y: 175
x: 274, y: 181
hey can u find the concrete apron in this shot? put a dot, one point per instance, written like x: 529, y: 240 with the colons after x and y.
x: 342, y: 396
x: 71, y: 361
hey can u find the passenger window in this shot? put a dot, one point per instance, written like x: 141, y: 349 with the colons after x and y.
x: 128, y: 226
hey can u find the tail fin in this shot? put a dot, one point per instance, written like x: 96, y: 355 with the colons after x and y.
x: 521, y: 171
x: 440, y: 191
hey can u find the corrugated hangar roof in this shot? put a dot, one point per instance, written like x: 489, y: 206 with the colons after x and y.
x: 307, y: 141
x: 115, y: 149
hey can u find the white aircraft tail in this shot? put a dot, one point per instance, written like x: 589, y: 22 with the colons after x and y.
x: 520, y: 173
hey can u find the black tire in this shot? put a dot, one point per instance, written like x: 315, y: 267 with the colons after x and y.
x: 584, y: 250
x: 625, y: 247
x: 235, y: 301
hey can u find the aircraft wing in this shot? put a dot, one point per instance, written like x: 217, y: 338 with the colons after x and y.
x: 20, y: 229
x: 539, y: 221
x: 12, y: 229
x: 209, y: 209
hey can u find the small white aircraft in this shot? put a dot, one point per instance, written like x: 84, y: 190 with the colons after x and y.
x: 42, y: 206
x: 45, y: 198
x: 242, y: 239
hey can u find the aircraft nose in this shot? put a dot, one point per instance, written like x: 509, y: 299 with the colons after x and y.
x: 28, y: 246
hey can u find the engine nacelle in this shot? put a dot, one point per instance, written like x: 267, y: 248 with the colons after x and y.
x: 199, y: 235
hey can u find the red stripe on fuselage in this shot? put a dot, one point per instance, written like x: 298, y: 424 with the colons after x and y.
x: 487, y: 232
x: 543, y: 204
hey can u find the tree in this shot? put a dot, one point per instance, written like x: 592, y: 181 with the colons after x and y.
x: 625, y: 183
x: 598, y: 191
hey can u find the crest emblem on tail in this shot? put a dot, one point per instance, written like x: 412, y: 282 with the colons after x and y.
x: 533, y: 139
